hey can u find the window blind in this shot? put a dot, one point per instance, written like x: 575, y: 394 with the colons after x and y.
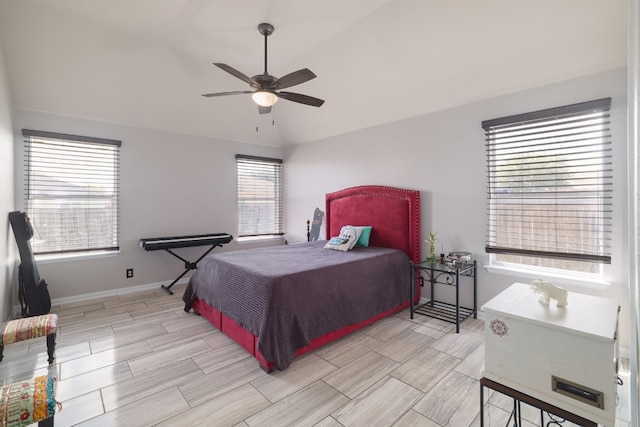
x: 260, y: 200
x: 550, y: 183
x: 71, y: 192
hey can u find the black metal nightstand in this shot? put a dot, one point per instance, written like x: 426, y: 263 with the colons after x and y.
x: 447, y: 274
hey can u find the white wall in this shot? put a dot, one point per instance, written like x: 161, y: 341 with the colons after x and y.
x: 170, y: 185
x: 443, y: 155
x: 176, y: 184
x: 7, y: 254
x: 634, y: 196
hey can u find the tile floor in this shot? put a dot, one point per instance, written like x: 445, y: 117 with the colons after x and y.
x: 140, y: 360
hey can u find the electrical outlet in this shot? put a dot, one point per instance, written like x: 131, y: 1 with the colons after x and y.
x: 129, y: 273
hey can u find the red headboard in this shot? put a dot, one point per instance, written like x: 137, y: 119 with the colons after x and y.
x: 393, y: 213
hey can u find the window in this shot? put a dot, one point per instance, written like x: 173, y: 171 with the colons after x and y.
x: 549, y: 187
x: 71, y: 192
x: 259, y: 196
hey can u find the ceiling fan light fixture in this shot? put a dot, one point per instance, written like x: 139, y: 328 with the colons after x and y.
x: 264, y: 98
x: 265, y: 87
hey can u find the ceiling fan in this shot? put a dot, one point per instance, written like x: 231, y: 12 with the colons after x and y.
x: 267, y: 88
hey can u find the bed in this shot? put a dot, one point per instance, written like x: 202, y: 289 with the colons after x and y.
x: 284, y: 301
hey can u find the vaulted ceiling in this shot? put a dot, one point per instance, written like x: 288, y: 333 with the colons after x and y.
x: 146, y: 63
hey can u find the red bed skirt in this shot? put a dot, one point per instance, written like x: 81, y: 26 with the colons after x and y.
x: 250, y: 342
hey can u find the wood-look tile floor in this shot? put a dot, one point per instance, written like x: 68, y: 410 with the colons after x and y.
x: 140, y: 360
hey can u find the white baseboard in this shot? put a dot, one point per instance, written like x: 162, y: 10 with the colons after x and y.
x: 103, y: 294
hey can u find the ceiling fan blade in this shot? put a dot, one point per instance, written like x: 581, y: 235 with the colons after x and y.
x: 264, y: 110
x: 234, y: 72
x: 233, y: 92
x: 302, y: 99
x: 293, y: 79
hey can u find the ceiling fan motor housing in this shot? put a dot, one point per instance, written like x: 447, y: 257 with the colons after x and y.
x: 263, y: 81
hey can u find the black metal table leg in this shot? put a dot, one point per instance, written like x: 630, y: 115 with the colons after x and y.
x: 432, y: 281
x: 413, y: 287
x: 481, y: 405
x: 457, y: 301
x: 475, y: 290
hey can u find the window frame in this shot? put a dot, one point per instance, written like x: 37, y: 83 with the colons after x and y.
x: 95, y: 180
x: 574, y: 118
x: 252, y: 190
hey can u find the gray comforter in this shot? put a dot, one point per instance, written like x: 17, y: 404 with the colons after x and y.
x: 290, y: 295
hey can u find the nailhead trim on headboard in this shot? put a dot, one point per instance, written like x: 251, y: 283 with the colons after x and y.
x: 412, y: 197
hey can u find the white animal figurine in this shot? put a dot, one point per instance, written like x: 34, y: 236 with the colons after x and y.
x: 548, y: 291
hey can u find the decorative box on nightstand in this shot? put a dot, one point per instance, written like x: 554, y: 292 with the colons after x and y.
x: 564, y: 356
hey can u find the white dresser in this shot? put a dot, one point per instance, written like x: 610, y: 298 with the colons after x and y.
x: 564, y: 356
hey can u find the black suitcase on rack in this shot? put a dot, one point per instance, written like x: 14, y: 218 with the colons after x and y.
x: 32, y: 290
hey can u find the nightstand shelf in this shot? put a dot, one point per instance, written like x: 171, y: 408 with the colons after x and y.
x: 443, y: 311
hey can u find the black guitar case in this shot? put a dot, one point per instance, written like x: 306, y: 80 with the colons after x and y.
x: 32, y: 290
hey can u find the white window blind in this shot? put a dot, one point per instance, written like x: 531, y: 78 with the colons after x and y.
x: 260, y: 204
x: 550, y: 183
x: 71, y: 192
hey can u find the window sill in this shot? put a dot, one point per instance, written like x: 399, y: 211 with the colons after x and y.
x: 575, y: 281
x: 257, y: 239
x: 55, y: 258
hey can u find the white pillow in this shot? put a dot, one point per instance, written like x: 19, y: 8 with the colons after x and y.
x: 345, y: 241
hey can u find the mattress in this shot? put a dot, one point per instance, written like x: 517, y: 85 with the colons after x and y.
x: 289, y: 295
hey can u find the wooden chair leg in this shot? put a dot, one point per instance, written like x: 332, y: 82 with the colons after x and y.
x: 46, y: 423
x: 51, y: 346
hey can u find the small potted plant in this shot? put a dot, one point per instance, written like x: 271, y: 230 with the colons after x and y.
x: 432, y: 246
